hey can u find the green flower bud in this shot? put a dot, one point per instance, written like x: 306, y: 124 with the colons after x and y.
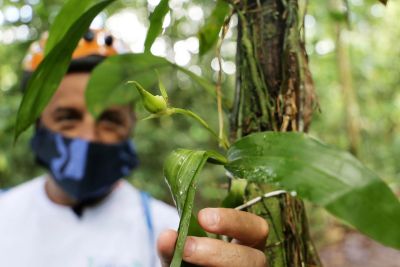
x: 152, y: 103
x: 155, y: 104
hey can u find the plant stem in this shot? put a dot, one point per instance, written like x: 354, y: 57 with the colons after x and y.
x: 223, y: 142
x: 225, y: 28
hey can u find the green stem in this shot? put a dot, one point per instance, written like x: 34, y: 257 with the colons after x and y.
x: 222, y: 141
x: 225, y: 28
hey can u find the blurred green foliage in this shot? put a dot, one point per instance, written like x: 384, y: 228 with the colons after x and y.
x: 375, y: 64
x: 374, y: 55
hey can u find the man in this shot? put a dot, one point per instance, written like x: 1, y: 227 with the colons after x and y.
x: 82, y: 214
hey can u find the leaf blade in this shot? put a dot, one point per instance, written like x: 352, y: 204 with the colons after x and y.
x: 181, y: 171
x: 110, y: 77
x: 208, y: 34
x: 69, y: 13
x: 323, y: 175
x: 156, y: 21
x: 48, y: 75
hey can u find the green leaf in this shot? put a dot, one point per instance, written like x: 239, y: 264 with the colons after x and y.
x: 47, y: 77
x: 162, y: 88
x: 325, y: 176
x: 69, y: 13
x: 108, y: 80
x: 208, y: 34
x: 156, y: 22
x: 181, y: 171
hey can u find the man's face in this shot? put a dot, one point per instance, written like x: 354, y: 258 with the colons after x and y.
x: 67, y: 114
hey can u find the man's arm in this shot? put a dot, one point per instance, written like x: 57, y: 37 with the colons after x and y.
x: 248, y: 231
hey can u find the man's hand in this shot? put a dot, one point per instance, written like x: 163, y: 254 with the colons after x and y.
x: 248, y: 230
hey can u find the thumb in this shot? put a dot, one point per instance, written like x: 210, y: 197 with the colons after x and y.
x: 166, y: 245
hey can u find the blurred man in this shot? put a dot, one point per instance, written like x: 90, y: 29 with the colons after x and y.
x: 81, y: 213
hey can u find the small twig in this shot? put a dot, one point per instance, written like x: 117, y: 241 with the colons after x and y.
x: 258, y: 199
x: 285, y: 123
x: 275, y: 244
x: 229, y: 175
x: 225, y: 28
x: 193, y: 115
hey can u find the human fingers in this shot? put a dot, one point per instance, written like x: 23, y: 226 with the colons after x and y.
x: 247, y: 228
x: 210, y: 252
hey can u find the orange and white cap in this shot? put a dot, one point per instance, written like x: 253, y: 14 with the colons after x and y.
x: 92, y: 48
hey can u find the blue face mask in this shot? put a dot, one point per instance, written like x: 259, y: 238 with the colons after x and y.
x: 84, y: 170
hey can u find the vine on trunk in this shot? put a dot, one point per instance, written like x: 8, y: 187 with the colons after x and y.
x: 275, y: 92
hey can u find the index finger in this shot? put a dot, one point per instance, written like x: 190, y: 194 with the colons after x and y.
x: 247, y: 228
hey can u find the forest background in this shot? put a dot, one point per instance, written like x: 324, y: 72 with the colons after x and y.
x: 359, y: 106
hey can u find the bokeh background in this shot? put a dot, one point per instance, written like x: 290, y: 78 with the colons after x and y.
x: 355, y: 60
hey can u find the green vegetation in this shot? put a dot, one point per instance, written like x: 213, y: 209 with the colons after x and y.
x: 356, y: 85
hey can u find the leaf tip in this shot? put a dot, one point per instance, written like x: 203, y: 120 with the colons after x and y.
x: 18, y: 128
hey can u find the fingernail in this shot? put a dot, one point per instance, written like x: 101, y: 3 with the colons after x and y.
x: 190, y: 247
x: 211, y: 217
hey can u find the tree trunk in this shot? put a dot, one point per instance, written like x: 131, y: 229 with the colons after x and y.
x: 350, y: 105
x: 274, y: 92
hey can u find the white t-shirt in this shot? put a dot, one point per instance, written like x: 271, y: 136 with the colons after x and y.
x: 36, y: 232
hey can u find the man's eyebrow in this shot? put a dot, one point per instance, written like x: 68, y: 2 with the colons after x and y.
x: 63, y: 110
x: 113, y: 113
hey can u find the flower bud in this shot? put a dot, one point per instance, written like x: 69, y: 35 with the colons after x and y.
x: 152, y: 103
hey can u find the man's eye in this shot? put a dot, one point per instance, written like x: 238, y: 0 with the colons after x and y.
x: 67, y: 118
x: 111, y: 118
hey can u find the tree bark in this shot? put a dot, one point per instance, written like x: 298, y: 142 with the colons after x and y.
x: 275, y: 92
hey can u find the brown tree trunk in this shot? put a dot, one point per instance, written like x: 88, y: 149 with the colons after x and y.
x: 274, y: 92
x: 351, y: 108
x: 350, y: 105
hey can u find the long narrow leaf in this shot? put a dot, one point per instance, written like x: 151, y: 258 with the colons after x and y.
x: 47, y: 77
x: 325, y: 176
x: 69, y: 13
x: 181, y: 170
x: 208, y: 34
x: 107, y: 84
x: 156, y: 22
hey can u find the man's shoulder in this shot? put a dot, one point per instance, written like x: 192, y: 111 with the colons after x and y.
x: 159, y: 206
x: 21, y: 193
x: 155, y: 204
x: 161, y: 212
